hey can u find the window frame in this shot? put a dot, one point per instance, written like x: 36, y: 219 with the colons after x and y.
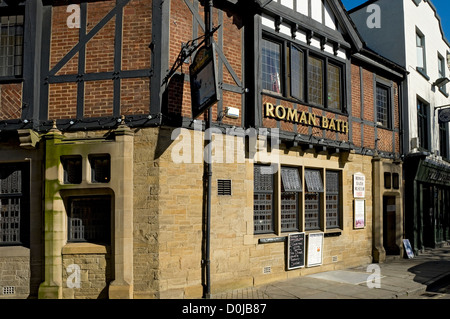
x: 15, y: 76
x: 441, y: 72
x: 443, y: 139
x: 24, y: 196
x: 423, y: 131
x: 421, y: 70
x: 388, y: 89
x: 107, y: 240
x: 301, y: 201
x: 287, y: 72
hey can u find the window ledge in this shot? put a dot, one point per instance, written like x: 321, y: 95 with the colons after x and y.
x: 14, y: 251
x: 84, y: 248
x: 423, y: 74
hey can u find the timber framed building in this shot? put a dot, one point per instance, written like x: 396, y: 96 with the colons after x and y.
x: 101, y: 163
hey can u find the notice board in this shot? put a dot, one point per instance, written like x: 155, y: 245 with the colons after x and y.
x: 315, y: 248
x: 295, y: 251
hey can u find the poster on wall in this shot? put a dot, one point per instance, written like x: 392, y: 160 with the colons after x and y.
x: 296, y: 251
x: 315, y: 248
x: 359, y: 185
x: 359, y: 217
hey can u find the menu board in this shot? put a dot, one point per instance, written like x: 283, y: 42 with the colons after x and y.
x: 315, y: 247
x: 296, y: 251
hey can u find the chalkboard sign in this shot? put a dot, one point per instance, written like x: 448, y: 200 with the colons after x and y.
x: 296, y: 251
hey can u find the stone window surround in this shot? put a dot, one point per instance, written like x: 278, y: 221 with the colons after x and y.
x: 120, y: 147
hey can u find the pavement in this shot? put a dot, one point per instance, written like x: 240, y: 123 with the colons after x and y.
x: 426, y: 276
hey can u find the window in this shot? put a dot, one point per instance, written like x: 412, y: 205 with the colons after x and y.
x: 297, y: 73
x: 314, y: 187
x: 14, y: 207
x: 422, y: 124
x: 441, y: 70
x: 387, y: 180
x: 443, y: 140
x: 318, y: 208
x: 290, y: 187
x: 11, y: 45
x: 420, y: 48
x: 333, y: 199
x: 72, y: 169
x: 271, y: 66
x: 323, y: 79
x: 90, y: 219
x: 315, y: 81
x: 100, y: 168
x: 263, y: 199
x: 383, y: 105
x: 334, y: 87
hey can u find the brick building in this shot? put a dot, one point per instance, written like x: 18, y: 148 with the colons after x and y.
x: 103, y: 184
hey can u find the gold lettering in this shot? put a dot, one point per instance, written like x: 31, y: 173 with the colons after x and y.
x: 303, y: 118
x: 338, y: 125
x: 280, y: 107
x: 311, y: 119
x: 324, y: 122
x: 292, y: 115
x: 344, y: 127
x: 332, y: 126
x: 269, y: 110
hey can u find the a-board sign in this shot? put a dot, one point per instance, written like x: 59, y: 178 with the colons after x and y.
x: 296, y: 251
x: 315, y: 249
x: 204, y: 86
x: 408, y: 248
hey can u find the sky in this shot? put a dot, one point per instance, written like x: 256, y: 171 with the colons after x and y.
x: 442, y: 7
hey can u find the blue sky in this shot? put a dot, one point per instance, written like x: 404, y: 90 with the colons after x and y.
x: 442, y: 6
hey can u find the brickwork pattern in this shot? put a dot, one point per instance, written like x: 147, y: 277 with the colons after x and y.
x: 10, y: 101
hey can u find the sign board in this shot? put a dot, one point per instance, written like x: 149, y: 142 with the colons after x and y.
x: 359, y: 185
x: 315, y: 248
x: 359, y: 216
x: 296, y: 251
x: 408, y: 248
x: 204, y: 86
x: 444, y: 115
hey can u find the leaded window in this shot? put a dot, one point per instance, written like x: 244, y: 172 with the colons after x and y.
x: 334, y: 87
x: 90, y: 219
x: 315, y: 81
x: 11, y: 45
x: 332, y: 199
x: 383, y: 105
x: 100, y: 168
x: 13, y: 204
x: 314, y: 186
x: 297, y: 73
x: 263, y: 199
x: 271, y: 66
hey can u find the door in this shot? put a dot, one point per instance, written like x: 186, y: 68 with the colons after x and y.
x: 389, y: 226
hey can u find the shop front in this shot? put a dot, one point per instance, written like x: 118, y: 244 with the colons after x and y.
x: 427, y: 217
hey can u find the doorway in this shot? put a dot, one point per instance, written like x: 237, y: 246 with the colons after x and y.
x: 390, y: 226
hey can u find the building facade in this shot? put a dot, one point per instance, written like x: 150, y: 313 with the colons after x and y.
x: 410, y: 33
x: 102, y: 164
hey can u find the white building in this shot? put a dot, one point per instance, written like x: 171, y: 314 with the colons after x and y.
x: 409, y: 32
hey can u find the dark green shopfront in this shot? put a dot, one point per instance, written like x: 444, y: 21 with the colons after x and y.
x: 427, y: 202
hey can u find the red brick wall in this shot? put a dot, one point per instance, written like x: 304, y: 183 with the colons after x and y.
x: 136, y: 55
x: 181, y: 26
x: 10, y: 101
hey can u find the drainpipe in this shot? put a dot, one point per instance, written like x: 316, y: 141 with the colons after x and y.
x: 208, y: 137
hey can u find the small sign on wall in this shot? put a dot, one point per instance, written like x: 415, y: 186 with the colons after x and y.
x: 359, y: 185
x: 315, y: 249
x: 359, y: 216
